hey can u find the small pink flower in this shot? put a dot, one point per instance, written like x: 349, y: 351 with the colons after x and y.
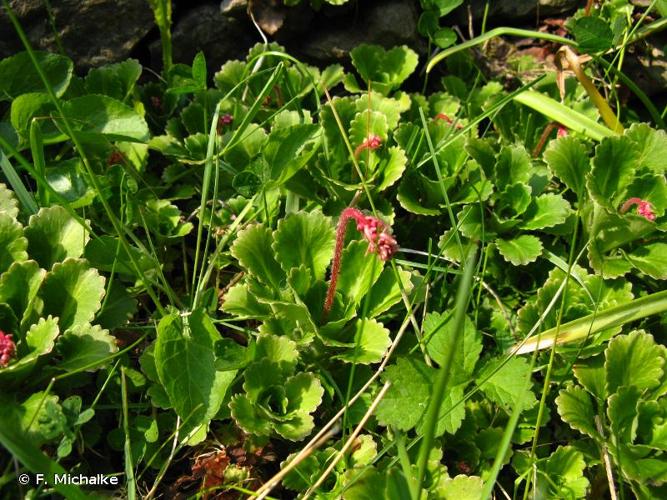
x: 374, y: 231
x: 643, y: 208
x: 156, y: 102
x: 115, y: 158
x: 562, y: 132
x: 371, y: 142
x: 386, y: 246
x: 7, y: 348
x: 223, y: 121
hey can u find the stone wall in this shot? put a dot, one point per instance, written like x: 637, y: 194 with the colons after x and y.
x: 95, y: 32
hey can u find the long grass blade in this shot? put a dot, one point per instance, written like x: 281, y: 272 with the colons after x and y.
x: 37, y: 150
x: 564, y: 115
x: 25, y: 198
x: 461, y: 304
x: 501, y: 31
x: 131, y: 486
x: 579, y: 329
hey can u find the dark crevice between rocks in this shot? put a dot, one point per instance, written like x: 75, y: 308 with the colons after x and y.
x: 96, y: 32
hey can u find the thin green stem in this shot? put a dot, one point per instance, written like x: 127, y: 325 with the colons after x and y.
x: 502, y: 31
x: 547, y: 377
x: 37, y: 150
x: 131, y: 486
x: 25, y: 197
x: 162, y: 14
x: 404, y: 460
x: 444, y: 373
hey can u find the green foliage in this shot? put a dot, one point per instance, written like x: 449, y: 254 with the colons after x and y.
x: 429, y: 25
x: 19, y: 76
x: 286, y: 290
x: 185, y: 359
x: 275, y: 403
x: 164, y: 271
x: 99, y: 118
x: 383, y: 70
x: 49, y: 297
x: 623, y: 169
x: 630, y: 395
x: 592, y: 34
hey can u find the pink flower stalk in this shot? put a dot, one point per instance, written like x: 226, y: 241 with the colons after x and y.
x: 379, y: 241
x: 371, y: 142
x: 643, y: 208
x: 446, y: 119
x: 562, y: 132
x: 7, y: 349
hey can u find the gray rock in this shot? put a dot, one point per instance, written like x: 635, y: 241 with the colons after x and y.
x: 389, y: 23
x: 269, y: 14
x: 91, y: 32
x: 234, y: 8
x: 648, y: 70
x: 519, y: 10
x: 205, y: 28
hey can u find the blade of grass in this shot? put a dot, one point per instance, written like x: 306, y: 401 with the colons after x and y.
x: 461, y: 304
x: 350, y: 441
x: 542, y: 408
x: 231, y: 230
x: 472, y: 125
x: 505, y: 441
x: 25, y: 198
x: 645, y: 100
x: 319, y: 438
x: 649, y: 29
x: 441, y: 182
x: 567, y: 59
x: 404, y: 460
x: 578, y: 329
x: 162, y: 14
x: 131, y: 486
x: 501, y: 31
x: 37, y: 150
x: 564, y: 115
x: 41, y: 182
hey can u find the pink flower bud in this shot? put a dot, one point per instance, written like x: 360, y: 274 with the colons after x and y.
x: 562, y: 132
x: 7, y: 348
x: 643, y: 208
x: 115, y: 158
x: 223, y: 121
x: 372, y: 142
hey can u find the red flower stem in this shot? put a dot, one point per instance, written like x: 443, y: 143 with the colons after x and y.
x: 345, y: 216
x: 632, y: 201
x: 543, y: 138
